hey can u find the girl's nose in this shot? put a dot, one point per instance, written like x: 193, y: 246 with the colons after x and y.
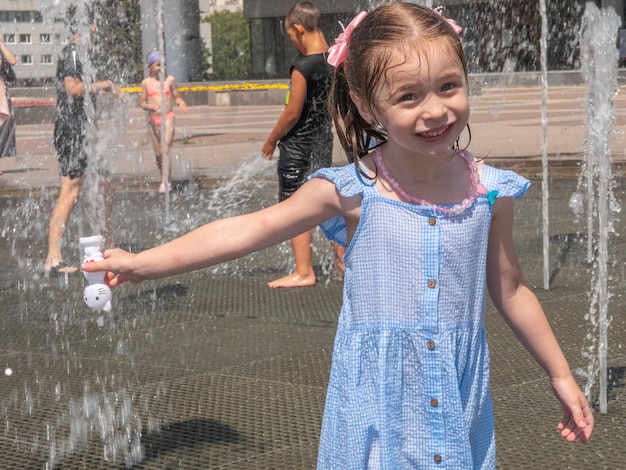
x: 433, y: 107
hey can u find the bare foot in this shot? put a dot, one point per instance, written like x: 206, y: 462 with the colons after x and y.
x: 294, y: 280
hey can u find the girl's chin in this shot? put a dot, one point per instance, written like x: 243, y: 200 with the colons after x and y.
x: 437, y: 146
x: 445, y: 151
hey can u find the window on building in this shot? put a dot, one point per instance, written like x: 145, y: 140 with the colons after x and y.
x: 24, y: 38
x: 46, y: 58
x: 24, y: 16
x: 44, y: 38
x: 26, y: 59
x: 9, y: 38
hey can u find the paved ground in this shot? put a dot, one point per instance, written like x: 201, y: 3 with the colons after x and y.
x: 214, y: 370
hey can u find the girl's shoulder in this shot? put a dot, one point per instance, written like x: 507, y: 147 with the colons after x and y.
x: 348, y: 179
x: 149, y: 79
x: 507, y: 183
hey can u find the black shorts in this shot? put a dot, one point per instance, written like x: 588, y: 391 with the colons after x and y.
x: 69, y: 141
x: 298, y: 160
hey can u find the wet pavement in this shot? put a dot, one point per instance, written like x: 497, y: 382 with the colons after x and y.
x: 214, y: 370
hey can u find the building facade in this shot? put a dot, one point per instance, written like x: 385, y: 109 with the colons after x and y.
x: 498, y: 35
x: 210, y: 6
x: 36, y: 40
x: 33, y: 42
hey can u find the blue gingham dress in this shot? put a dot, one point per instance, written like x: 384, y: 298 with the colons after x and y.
x: 409, y: 381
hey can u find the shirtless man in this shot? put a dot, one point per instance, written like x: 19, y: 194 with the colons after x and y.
x: 153, y: 99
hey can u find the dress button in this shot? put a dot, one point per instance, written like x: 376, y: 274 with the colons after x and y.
x: 437, y: 458
x: 430, y: 345
x: 432, y: 221
x: 434, y: 402
x: 432, y: 283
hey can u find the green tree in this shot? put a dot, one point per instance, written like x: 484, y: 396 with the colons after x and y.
x: 230, y: 36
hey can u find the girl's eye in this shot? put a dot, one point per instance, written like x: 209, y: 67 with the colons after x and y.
x: 448, y: 86
x: 408, y: 97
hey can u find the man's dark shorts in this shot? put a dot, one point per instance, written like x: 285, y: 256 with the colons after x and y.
x: 300, y: 159
x: 69, y: 141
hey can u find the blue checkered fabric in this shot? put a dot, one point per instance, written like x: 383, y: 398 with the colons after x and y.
x: 409, y: 382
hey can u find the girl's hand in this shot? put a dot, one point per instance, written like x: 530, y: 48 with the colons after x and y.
x: 117, y: 264
x: 577, y: 421
x: 182, y: 106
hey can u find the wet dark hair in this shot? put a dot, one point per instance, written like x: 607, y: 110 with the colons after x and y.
x: 374, y: 46
x: 305, y: 14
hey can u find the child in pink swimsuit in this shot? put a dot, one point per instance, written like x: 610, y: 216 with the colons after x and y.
x: 152, y: 99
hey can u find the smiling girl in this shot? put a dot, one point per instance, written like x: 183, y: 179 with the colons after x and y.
x: 428, y: 230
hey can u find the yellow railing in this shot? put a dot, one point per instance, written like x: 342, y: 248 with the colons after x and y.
x: 238, y: 86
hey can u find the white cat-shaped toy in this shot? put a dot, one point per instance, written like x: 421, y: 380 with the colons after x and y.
x: 97, y: 294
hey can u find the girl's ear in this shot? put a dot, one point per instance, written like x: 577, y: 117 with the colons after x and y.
x: 363, y: 108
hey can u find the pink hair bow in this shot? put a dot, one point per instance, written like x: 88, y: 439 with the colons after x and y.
x: 455, y: 26
x: 338, y: 52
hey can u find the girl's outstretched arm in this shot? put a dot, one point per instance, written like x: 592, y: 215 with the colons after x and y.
x: 522, y: 311
x: 226, y: 239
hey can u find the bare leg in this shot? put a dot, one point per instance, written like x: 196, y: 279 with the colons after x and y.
x: 159, y: 161
x: 339, y: 267
x: 68, y: 195
x: 304, y: 275
x: 155, y: 135
x: 166, y: 174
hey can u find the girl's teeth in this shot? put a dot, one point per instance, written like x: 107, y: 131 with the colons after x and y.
x: 434, y: 133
